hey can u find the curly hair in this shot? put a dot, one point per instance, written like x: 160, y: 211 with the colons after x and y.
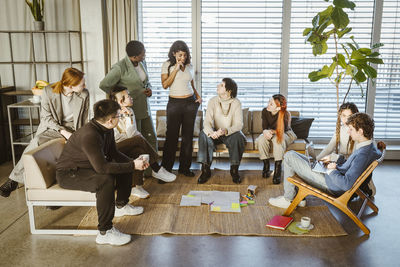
x: 350, y: 144
x: 176, y: 47
x: 362, y: 121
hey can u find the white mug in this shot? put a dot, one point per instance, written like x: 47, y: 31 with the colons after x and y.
x: 305, y: 222
x: 145, y: 157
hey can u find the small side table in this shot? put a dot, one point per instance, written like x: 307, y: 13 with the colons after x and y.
x: 27, y: 104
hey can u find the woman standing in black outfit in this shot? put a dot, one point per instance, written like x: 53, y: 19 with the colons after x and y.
x: 183, y: 103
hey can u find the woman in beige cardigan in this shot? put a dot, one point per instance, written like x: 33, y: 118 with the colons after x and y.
x: 64, y: 109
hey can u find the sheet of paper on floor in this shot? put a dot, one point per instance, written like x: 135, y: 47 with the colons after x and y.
x: 190, y: 200
x: 220, y: 201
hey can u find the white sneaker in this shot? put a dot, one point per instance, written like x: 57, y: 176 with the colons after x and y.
x: 164, y: 175
x: 113, y: 237
x: 282, y: 202
x: 139, y: 192
x: 128, y: 209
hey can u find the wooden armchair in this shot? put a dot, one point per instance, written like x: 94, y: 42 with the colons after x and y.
x: 342, y: 201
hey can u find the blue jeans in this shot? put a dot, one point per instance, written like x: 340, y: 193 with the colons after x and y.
x: 235, y: 143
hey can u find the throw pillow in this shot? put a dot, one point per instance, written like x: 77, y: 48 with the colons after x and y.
x: 245, y: 129
x: 162, y: 126
x: 301, y: 126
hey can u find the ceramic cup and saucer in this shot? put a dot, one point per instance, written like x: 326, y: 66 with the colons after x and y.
x: 298, y: 224
x: 305, y: 224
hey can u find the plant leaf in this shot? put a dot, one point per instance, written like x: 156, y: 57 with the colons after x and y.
x: 340, y: 18
x: 375, y: 54
x: 357, y: 55
x: 365, y: 51
x: 375, y: 60
x: 370, y: 71
x: 377, y: 45
x: 360, y: 76
x: 344, y: 4
x: 343, y: 32
x: 307, y: 31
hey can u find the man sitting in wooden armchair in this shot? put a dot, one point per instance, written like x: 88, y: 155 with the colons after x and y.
x: 340, y: 176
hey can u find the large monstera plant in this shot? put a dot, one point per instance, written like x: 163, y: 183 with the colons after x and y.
x: 350, y: 60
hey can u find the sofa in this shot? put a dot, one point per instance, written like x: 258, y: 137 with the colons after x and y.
x: 252, y: 128
x: 41, y: 188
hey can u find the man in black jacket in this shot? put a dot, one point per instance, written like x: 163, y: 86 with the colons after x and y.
x: 91, y: 162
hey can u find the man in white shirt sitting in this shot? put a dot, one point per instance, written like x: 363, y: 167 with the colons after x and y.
x: 131, y: 142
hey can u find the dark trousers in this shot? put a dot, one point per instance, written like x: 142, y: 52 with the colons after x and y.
x: 135, y: 146
x: 104, y: 186
x: 235, y: 143
x: 180, y: 112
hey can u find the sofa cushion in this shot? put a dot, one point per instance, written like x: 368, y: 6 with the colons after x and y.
x: 246, y: 121
x: 301, y: 126
x: 56, y: 193
x: 40, y: 164
x: 257, y: 122
x: 161, y: 142
x: 161, y: 125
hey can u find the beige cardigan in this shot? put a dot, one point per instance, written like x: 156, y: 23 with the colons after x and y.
x: 224, y: 114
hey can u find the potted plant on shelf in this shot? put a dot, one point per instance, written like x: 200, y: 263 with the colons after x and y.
x: 350, y: 60
x: 36, y: 7
x: 37, y: 90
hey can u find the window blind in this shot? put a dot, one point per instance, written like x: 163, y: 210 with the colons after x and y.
x: 160, y: 24
x: 241, y: 40
x: 387, y: 100
x: 318, y: 99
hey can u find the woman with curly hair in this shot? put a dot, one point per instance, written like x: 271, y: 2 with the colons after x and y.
x: 277, y: 134
x: 183, y: 103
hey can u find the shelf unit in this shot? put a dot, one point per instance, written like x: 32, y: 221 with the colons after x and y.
x: 9, y: 94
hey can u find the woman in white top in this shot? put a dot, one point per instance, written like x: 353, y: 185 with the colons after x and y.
x: 341, y: 142
x: 183, y: 103
x: 132, y: 143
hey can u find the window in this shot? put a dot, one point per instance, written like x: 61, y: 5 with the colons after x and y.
x: 318, y: 99
x: 161, y: 24
x: 387, y: 100
x: 242, y: 40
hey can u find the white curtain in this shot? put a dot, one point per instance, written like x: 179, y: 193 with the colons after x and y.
x: 121, y: 27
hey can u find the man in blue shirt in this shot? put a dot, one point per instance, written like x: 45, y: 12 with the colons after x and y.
x: 341, y: 175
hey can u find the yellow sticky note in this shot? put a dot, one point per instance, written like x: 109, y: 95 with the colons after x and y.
x: 189, y: 195
x: 235, y: 206
x: 216, y: 208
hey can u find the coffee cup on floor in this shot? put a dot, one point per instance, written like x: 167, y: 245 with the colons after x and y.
x: 305, y: 222
x: 145, y: 157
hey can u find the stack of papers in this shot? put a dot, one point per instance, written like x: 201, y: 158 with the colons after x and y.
x: 219, y: 201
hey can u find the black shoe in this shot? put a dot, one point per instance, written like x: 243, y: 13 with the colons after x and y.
x: 187, y: 173
x: 277, y: 172
x: 205, y: 173
x: 266, y: 171
x: 8, y: 187
x: 235, y: 174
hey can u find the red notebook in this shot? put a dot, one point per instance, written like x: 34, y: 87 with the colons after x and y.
x: 279, y: 222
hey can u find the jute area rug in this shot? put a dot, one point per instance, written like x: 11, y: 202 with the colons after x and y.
x: 163, y: 215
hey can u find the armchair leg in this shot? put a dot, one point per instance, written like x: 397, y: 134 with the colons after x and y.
x: 299, y: 197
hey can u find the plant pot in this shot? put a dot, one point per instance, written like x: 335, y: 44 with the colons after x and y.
x: 38, y: 25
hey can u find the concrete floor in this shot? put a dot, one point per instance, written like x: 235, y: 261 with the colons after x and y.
x: 19, y: 248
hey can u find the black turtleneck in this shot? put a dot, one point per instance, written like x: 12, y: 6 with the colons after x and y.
x: 93, y: 147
